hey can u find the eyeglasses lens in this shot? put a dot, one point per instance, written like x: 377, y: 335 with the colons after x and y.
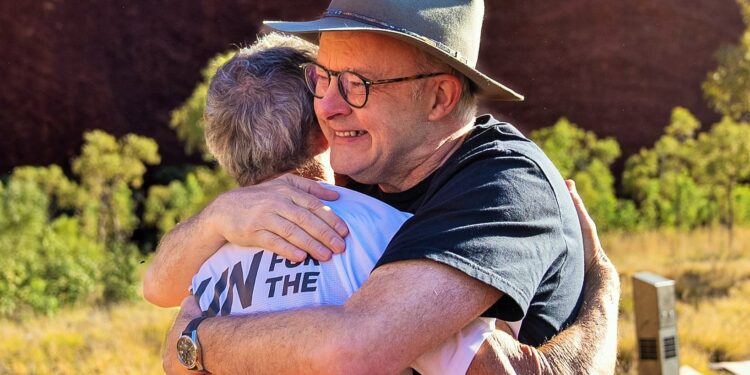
x: 353, y: 89
x: 317, y: 80
x: 351, y: 86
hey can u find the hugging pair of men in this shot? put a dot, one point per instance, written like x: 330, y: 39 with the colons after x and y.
x: 260, y: 124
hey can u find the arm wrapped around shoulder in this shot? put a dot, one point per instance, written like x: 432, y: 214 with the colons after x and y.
x: 589, y: 345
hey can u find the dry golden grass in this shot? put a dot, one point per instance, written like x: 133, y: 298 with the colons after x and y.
x: 125, y: 339
x: 712, y: 283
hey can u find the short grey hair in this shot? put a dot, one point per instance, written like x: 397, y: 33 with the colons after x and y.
x: 259, y: 113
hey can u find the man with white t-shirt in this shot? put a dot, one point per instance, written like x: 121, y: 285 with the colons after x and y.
x: 242, y: 280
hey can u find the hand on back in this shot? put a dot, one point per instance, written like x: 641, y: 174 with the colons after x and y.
x: 283, y: 215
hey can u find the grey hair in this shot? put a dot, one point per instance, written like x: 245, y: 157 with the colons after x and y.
x: 259, y: 113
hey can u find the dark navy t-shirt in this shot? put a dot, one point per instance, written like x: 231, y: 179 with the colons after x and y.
x: 499, y: 211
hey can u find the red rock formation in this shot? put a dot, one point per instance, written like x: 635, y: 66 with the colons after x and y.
x: 122, y: 66
x: 614, y: 66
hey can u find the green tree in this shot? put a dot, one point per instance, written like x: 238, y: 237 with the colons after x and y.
x: 63, y: 240
x: 580, y: 155
x: 727, y: 88
x: 187, y: 120
x: 44, y: 262
x: 168, y: 205
x: 53, y: 182
x: 742, y: 201
x: 723, y: 164
x: 108, y: 168
x: 661, y: 180
x: 22, y: 221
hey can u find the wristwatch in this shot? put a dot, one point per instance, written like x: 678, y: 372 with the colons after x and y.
x: 189, y: 351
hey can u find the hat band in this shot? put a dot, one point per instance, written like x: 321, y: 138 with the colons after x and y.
x: 332, y: 12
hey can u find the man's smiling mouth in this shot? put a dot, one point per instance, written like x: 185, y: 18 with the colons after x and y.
x: 350, y: 133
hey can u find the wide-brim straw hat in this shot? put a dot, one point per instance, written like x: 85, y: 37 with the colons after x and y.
x: 447, y: 29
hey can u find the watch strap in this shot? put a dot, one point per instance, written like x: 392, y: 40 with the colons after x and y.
x: 192, y: 331
x: 193, y: 325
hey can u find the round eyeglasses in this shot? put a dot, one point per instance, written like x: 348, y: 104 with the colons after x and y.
x: 353, y: 87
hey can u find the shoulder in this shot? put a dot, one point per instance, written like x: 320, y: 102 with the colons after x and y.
x: 497, y: 159
x: 492, y: 139
x: 353, y: 206
x: 372, y: 223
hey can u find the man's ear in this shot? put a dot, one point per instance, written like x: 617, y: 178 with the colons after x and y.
x: 447, y: 92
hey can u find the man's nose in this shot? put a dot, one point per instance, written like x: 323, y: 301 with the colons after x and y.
x: 332, y: 104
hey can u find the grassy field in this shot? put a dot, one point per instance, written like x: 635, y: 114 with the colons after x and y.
x: 713, y: 285
x: 124, y: 339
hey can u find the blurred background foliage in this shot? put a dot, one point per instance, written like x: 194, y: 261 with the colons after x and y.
x: 69, y: 239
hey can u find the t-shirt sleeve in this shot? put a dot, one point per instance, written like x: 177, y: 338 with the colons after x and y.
x: 496, y: 220
x: 454, y: 356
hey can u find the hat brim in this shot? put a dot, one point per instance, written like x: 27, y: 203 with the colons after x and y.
x: 487, y: 88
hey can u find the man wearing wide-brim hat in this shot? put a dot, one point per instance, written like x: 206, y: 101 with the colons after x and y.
x: 494, y: 232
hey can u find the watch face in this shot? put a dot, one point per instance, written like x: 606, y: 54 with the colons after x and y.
x: 186, y: 351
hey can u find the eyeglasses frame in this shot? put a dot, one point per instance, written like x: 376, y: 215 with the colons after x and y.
x: 368, y: 82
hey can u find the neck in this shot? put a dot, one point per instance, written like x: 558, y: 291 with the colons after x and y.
x: 318, y: 168
x: 433, y: 159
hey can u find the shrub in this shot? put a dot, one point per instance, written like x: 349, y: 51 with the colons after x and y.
x: 43, y: 264
x: 580, y: 155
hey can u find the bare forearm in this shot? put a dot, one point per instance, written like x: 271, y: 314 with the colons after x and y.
x: 299, y: 342
x: 321, y: 340
x: 375, y: 332
x: 366, y: 335
x: 501, y: 354
x: 590, y: 343
x: 179, y: 256
x: 588, y: 346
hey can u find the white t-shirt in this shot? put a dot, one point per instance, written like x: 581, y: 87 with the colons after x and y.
x: 239, y: 280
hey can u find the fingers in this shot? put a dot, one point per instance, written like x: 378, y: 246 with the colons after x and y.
x: 591, y: 244
x: 278, y: 245
x: 307, y: 194
x: 287, y: 237
x: 583, y: 214
x: 283, y: 216
x: 312, y: 226
x: 323, y: 212
x: 300, y: 224
x: 310, y: 187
